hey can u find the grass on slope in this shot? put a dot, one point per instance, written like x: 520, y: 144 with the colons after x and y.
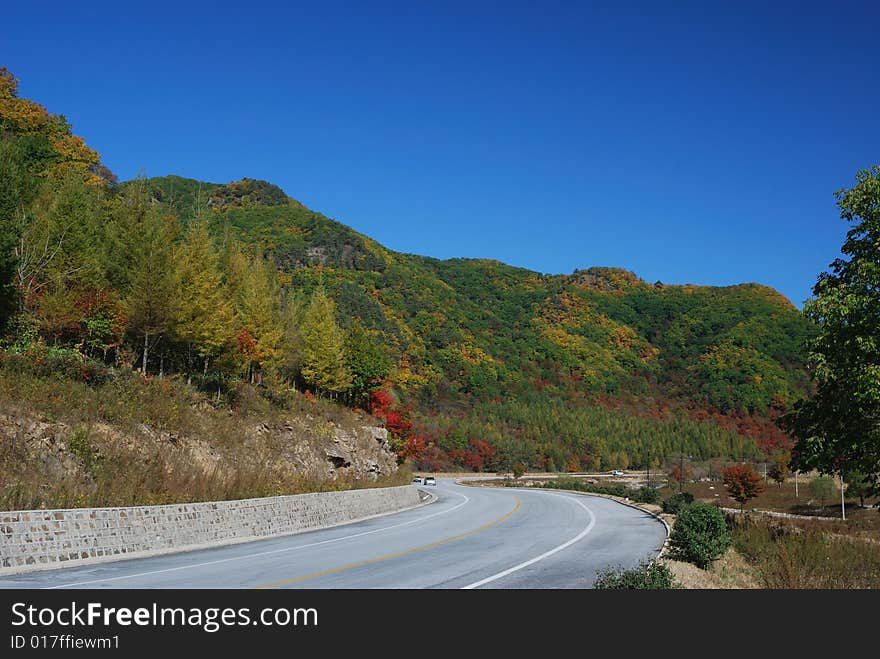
x: 136, y: 441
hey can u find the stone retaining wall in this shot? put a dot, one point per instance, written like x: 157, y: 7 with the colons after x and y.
x: 39, y: 539
x: 773, y: 513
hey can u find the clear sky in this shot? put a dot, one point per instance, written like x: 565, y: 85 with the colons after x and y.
x: 690, y: 142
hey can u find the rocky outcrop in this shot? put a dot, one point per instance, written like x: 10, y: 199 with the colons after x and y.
x: 334, y: 451
x: 310, y: 447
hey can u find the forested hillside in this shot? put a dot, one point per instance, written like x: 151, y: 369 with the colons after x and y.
x: 469, y: 363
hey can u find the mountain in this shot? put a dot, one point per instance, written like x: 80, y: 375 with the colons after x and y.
x: 470, y: 362
x: 470, y: 337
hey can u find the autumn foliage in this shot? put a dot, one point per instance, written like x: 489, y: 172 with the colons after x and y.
x: 470, y: 364
x: 680, y: 474
x: 742, y: 483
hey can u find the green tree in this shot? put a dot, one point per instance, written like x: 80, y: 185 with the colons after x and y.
x: 779, y: 469
x: 366, y: 361
x: 822, y: 488
x: 676, y: 502
x: 293, y: 312
x: 18, y: 187
x: 204, y: 315
x: 700, y: 534
x: 858, y: 486
x: 151, y: 296
x: 58, y: 250
x: 256, y: 294
x: 840, y: 423
x: 323, y: 346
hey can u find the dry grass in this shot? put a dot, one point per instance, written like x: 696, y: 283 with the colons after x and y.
x: 860, y: 521
x: 132, y: 441
x: 792, y: 553
x: 806, y: 554
x: 731, y: 571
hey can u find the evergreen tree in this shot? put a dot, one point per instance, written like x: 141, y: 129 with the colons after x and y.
x: 293, y: 313
x: 151, y: 301
x: 256, y: 295
x: 323, y: 344
x: 204, y: 313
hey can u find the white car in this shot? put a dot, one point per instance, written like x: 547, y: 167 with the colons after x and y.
x: 417, y: 480
x: 617, y: 472
x: 429, y: 480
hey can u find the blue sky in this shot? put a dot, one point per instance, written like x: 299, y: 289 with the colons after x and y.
x: 689, y: 142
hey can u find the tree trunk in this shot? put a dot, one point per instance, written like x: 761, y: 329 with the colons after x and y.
x: 146, y: 350
x: 205, y: 373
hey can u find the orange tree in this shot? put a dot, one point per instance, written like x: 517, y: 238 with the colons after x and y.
x: 742, y: 483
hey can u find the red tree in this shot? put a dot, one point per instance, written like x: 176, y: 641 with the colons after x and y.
x: 396, y: 418
x: 743, y: 483
x: 679, y: 474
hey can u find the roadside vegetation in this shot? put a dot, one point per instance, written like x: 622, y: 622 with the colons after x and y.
x: 811, y: 554
x: 710, y: 548
x: 648, y: 575
x: 123, y: 439
x: 760, y: 550
x: 639, y: 495
x: 471, y: 364
x: 699, y: 535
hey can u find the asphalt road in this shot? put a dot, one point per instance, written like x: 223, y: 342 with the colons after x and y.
x: 472, y: 537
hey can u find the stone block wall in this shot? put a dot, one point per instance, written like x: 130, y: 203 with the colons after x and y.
x: 39, y: 539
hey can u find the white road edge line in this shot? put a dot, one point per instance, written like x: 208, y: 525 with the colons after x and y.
x: 264, y: 553
x: 546, y: 554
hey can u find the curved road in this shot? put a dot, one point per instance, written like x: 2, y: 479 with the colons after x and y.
x: 471, y: 537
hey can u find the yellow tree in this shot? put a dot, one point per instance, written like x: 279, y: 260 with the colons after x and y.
x: 256, y: 297
x: 324, y: 353
x: 204, y: 313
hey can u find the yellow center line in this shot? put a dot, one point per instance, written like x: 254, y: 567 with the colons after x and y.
x: 390, y: 556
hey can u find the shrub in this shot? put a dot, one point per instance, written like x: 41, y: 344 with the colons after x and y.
x: 822, y: 488
x: 700, y: 534
x: 647, y: 575
x: 56, y: 363
x: 647, y: 495
x: 79, y: 444
x: 674, y: 503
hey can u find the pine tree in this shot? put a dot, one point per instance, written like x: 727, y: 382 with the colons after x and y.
x: 293, y: 313
x: 151, y: 301
x: 204, y: 314
x: 323, y: 346
x: 256, y: 296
